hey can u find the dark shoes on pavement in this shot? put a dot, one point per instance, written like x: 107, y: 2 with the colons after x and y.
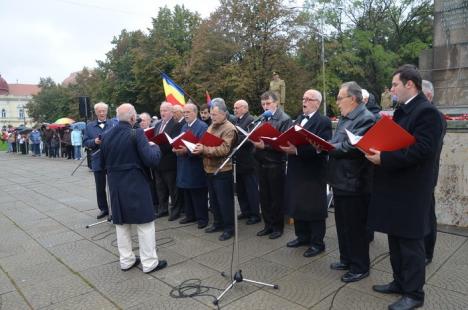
x: 161, y: 265
x: 264, y: 232
x: 296, y: 243
x: 186, y: 221
x: 275, y: 234
x: 253, y: 220
x: 242, y: 216
x: 225, y: 236
x: 390, y: 288
x: 354, y: 277
x: 406, y: 303
x: 137, y: 261
x: 312, y: 251
x: 173, y: 217
x: 339, y: 266
x: 202, y: 225
x: 213, y: 229
x: 102, y: 214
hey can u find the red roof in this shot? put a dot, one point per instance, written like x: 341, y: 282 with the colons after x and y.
x: 23, y: 89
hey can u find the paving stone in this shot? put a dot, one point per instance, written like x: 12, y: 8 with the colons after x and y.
x: 82, y: 254
x: 436, y: 299
x: 451, y: 278
x: 169, y: 303
x: 192, y: 247
x: 87, y: 301
x: 13, y: 300
x: 54, y: 291
x: 57, y: 238
x: 220, y: 259
x: 5, y: 284
x: 109, y: 274
x: 349, y: 299
x: 262, y: 300
x: 176, y: 274
x: 38, y: 273
x: 261, y: 270
x: 31, y: 256
x: 135, y: 291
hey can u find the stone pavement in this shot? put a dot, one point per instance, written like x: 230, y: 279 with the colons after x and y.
x: 49, y: 260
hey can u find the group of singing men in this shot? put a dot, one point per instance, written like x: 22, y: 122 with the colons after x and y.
x: 389, y: 192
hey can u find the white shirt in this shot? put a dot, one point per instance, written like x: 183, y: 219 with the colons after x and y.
x: 305, y: 120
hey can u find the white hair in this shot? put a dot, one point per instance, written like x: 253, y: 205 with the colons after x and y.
x: 125, y: 112
x: 427, y: 87
x: 101, y: 105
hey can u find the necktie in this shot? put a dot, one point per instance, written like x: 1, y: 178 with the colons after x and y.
x: 161, y: 129
x: 305, y: 120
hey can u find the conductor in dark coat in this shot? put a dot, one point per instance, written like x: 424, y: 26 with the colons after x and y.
x: 403, y: 187
x: 306, y: 187
x: 125, y: 154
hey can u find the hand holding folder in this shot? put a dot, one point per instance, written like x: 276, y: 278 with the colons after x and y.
x: 177, y: 142
x: 385, y: 135
x: 207, y: 139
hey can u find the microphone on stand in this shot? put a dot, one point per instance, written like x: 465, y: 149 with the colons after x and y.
x: 262, y: 117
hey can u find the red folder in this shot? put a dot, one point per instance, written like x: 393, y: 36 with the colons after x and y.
x: 297, y: 136
x: 265, y: 130
x: 177, y: 141
x: 209, y: 139
x: 158, y: 139
x: 385, y: 135
x: 149, y: 133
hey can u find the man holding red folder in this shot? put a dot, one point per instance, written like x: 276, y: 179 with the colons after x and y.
x: 402, y: 189
x: 271, y: 170
x: 306, y: 178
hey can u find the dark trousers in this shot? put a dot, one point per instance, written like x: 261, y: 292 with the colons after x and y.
x: 196, y: 204
x: 430, y: 239
x: 221, y: 190
x: 409, y: 271
x: 100, y: 180
x: 312, y: 232
x: 351, y: 221
x: 165, y: 188
x: 154, y: 195
x: 271, y: 181
x: 247, y: 194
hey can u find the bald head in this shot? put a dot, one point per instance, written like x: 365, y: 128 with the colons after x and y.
x: 127, y: 113
x: 241, y: 107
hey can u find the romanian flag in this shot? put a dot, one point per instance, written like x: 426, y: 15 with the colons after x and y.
x: 174, y: 93
x: 208, y: 99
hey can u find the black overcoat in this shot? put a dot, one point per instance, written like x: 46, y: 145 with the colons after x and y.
x: 403, y: 183
x: 124, y: 158
x: 168, y: 157
x: 306, y: 192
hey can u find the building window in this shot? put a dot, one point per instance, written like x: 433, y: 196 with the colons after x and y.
x: 3, y: 113
x: 21, y: 113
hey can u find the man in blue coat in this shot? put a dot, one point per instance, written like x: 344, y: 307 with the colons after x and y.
x: 191, y: 177
x: 125, y: 154
x: 92, y: 140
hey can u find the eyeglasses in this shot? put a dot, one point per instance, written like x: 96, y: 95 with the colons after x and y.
x: 309, y: 99
x: 341, y: 98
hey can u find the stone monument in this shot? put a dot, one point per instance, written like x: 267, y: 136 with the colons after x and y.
x: 446, y: 64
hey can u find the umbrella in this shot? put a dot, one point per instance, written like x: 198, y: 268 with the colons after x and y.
x: 64, y: 120
x: 24, y: 131
x: 55, y: 126
x: 79, y: 125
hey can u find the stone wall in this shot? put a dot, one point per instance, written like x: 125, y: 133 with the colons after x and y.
x: 452, y: 189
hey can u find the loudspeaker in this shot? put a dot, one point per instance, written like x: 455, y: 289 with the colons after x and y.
x: 85, y: 106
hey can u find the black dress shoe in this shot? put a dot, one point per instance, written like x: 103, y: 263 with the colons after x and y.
x: 161, y: 265
x: 225, y: 236
x: 202, y: 225
x: 390, y: 288
x: 253, y: 220
x: 406, y: 303
x: 354, y: 277
x: 186, y: 221
x: 296, y: 243
x: 173, y: 217
x: 102, y: 214
x: 339, y: 266
x: 242, y: 216
x: 276, y: 234
x: 312, y: 251
x: 213, y: 229
x: 264, y: 232
x: 137, y: 261
x: 162, y: 214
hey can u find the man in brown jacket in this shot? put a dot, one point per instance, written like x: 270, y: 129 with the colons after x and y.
x: 220, y: 186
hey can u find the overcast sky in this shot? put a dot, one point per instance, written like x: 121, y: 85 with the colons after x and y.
x: 56, y: 37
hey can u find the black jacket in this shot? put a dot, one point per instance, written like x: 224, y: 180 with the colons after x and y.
x: 245, y: 160
x: 349, y: 172
x: 168, y: 159
x: 270, y: 156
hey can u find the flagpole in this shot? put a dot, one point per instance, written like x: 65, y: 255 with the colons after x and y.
x: 188, y: 95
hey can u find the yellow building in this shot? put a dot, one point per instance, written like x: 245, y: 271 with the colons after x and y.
x: 13, y: 100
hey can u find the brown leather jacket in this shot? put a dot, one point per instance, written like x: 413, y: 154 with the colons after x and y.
x: 214, y: 156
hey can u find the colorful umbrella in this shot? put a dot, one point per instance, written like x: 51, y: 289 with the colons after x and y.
x: 55, y: 126
x: 64, y: 121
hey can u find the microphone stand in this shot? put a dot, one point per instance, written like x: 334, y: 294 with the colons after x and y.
x: 238, y: 275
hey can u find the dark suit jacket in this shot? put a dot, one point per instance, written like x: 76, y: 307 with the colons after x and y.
x: 306, y: 191
x: 404, y: 182
x: 245, y: 160
x: 125, y: 158
x: 168, y: 159
x: 190, y: 173
x: 92, y: 131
